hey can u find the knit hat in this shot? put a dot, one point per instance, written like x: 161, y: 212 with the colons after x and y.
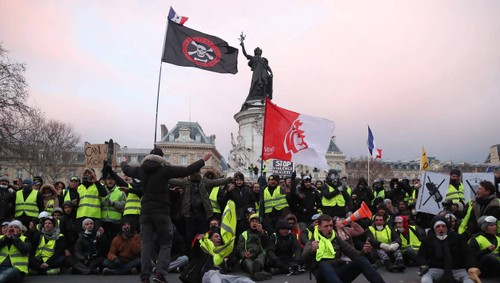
x: 254, y: 216
x: 455, y: 172
x: 58, y: 209
x: 5, y: 223
x: 485, y: 220
x: 43, y: 214
x: 85, y: 221
x: 28, y: 181
x: 282, y: 224
x: 4, y: 178
x: 438, y: 218
x: 16, y: 223
x: 157, y: 151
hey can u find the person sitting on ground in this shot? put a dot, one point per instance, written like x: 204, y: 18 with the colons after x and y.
x: 484, y: 249
x: 178, y: 257
x: 411, y: 237
x: 284, y: 253
x: 47, y: 254
x: 204, y: 266
x: 124, y: 256
x: 297, y: 231
x: 250, y: 247
x: 386, y: 243
x: 90, y: 250
x: 14, y: 251
x: 324, y: 253
x: 349, y: 232
x: 445, y: 255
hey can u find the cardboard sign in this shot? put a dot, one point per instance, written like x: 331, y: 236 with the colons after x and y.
x: 471, y: 183
x: 433, y: 192
x: 95, y: 154
x: 282, y: 168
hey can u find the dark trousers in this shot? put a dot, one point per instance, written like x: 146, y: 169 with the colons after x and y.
x: 349, y: 271
x: 36, y: 263
x: 122, y: 268
x: 84, y: 267
x: 489, y: 266
x: 10, y: 275
x: 161, y: 225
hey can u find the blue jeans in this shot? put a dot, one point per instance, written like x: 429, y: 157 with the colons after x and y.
x: 124, y: 268
x: 10, y: 275
x: 161, y: 225
x: 349, y: 271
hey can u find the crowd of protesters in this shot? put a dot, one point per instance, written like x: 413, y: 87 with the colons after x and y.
x: 159, y: 219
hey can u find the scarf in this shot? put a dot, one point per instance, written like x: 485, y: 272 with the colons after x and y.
x: 442, y: 250
x: 52, y: 234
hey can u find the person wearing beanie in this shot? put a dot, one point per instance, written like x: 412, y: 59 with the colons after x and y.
x: 455, y: 191
x: 284, y: 253
x: 308, y: 200
x: 275, y: 202
x: 89, y: 250
x: 326, y: 253
x: 112, y: 207
x: 486, y: 203
x: 124, y: 256
x: 28, y: 203
x: 47, y: 254
x: 251, y: 246
x: 485, y: 248
x: 14, y: 250
x: 154, y: 173
x: 90, y: 191
x: 445, y: 254
x: 411, y: 238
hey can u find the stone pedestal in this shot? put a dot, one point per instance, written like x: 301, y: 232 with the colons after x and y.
x: 247, y: 145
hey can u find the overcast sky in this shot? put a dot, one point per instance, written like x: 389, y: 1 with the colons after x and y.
x: 418, y: 72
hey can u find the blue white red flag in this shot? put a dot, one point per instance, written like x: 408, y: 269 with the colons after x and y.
x: 374, y: 152
x: 174, y: 17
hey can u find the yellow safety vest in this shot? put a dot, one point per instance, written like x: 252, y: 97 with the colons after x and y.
x: 17, y: 259
x: 132, y: 205
x: 276, y: 201
x: 325, y: 247
x: 108, y: 211
x: 49, y: 207
x: 463, y: 224
x: 455, y: 195
x: 337, y: 200
x: 45, y: 249
x: 213, y: 199
x: 27, y: 206
x: 413, y: 242
x: 379, y: 194
x: 484, y: 243
x: 90, y: 202
x: 383, y: 236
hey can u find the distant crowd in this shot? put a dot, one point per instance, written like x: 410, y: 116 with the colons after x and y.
x: 284, y: 225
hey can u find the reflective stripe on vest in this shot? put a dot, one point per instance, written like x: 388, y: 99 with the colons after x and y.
x: 383, y: 236
x: 132, y: 205
x: 245, y: 236
x: 49, y: 207
x: 109, y: 211
x: 213, y: 200
x: 277, y: 201
x: 45, y: 249
x: 455, y: 195
x: 90, y: 202
x: 414, y: 242
x: 17, y: 259
x: 325, y: 248
x: 484, y: 243
x: 337, y: 200
x: 27, y: 206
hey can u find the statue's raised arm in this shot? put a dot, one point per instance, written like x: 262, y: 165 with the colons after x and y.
x: 261, y: 85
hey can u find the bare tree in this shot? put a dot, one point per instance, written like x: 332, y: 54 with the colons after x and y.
x: 358, y: 167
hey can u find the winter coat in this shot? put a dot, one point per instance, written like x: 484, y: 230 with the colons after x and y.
x: 431, y: 252
x: 125, y: 249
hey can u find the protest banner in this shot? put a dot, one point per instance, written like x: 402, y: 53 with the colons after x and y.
x: 432, y: 192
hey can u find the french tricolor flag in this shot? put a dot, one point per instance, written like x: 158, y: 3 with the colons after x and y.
x: 372, y: 148
x: 174, y: 17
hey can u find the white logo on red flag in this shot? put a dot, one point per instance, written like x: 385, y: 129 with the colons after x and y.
x: 294, y: 138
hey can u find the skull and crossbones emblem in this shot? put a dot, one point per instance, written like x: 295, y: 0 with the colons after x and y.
x: 201, y: 52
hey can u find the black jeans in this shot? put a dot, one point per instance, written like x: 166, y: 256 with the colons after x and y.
x: 161, y: 225
x: 349, y: 271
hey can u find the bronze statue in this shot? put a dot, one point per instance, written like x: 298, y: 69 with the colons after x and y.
x: 262, y: 77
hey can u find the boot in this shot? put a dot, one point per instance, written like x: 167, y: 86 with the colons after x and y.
x: 400, y: 265
x: 391, y: 267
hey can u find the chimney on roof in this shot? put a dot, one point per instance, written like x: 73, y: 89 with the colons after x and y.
x: 164, y: 131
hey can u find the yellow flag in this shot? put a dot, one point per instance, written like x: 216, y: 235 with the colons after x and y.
x: 424, y: 163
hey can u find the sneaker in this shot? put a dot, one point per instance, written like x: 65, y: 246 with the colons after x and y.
x: 261, y: 276
x: 302, y: 269
x: 53, y: 271
x: 400, y: 265
x: 107, y: 271
x: 134, y: 271
x: 159, y: 278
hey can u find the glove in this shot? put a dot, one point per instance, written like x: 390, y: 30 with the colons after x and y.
x: 393, y: 247
x: 474, y: 273
x: 385, y: 247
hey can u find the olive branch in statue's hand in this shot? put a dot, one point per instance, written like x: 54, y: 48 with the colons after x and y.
x: 242, y: 38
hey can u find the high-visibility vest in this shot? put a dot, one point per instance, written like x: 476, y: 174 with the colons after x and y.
x: 383, y: 236
x: 412, y: 242
x: 484, y: 243
x: 49, y: 207
x: 132, y: 205
x: 337, y: 200
x: 463, y: 224
x: 17, y: 259
x: 245, y: 237
x: 213, y: 200
x: 27, y: 206
x: 109, y: 211
x: 455, y: 195
x: 90, y: 202
x: 276, y: 201
x: 45, y: 249
x: 325, y: 248
x: 379, y: 194
x: 67, y: 195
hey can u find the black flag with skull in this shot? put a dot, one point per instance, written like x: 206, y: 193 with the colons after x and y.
x: 190, y: 48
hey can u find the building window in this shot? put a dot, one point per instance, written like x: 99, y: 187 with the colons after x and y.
x: 184, y: 160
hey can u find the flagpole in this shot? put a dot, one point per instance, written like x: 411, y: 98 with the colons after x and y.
x: 261, y: 192
x: 157, y: 103
x: 368, y: 170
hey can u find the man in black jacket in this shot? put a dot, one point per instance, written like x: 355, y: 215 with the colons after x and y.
x: 154, y: 174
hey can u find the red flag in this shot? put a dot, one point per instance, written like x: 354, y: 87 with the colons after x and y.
x: 291, y: 136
